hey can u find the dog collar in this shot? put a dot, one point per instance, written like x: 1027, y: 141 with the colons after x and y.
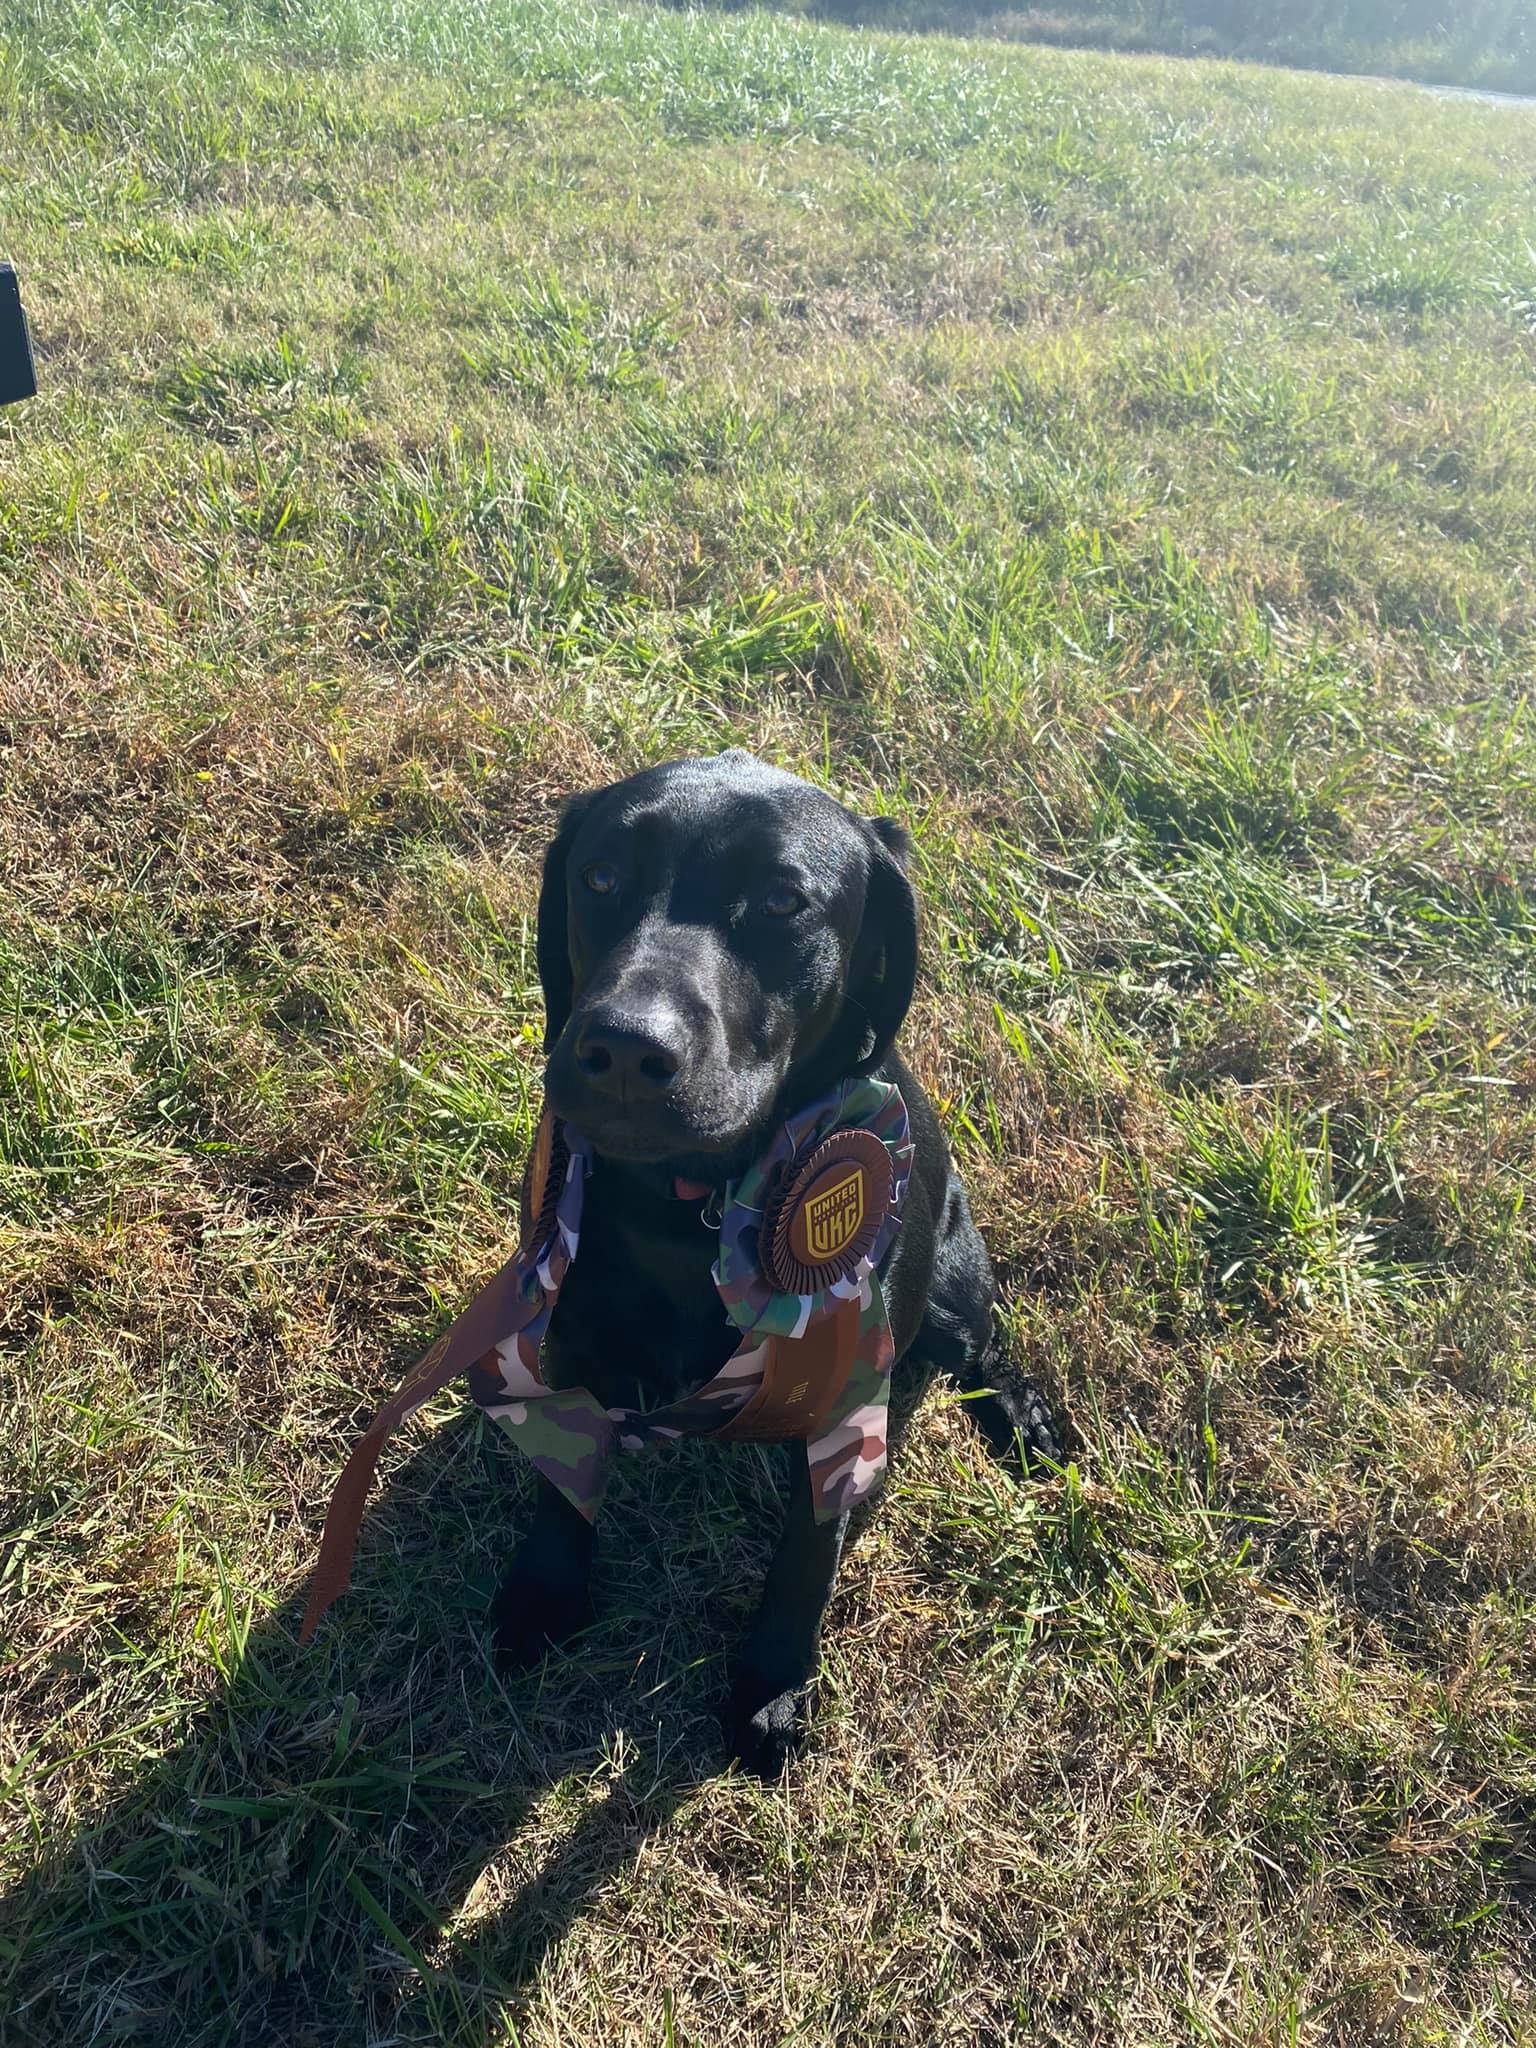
x: 802, y: 1234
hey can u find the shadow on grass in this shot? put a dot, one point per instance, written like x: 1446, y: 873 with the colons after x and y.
x: 375, y: 1840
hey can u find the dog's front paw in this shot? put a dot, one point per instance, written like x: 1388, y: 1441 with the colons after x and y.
x: 1041, y: 1439
x: 530, y: 1615
x: 766, y: 1732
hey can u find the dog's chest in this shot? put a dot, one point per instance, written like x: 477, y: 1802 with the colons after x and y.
x: 639, y: 1319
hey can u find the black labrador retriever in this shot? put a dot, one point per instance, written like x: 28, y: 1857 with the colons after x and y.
x: 719, y: 944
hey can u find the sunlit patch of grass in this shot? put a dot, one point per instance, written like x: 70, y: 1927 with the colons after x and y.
x: 548, y: 339
x: 250, y: 389
x: 1275, y: 1229
x: 1231, y: 781
x: 451, y: 542
x: 231, y: 249
x: 1403, y: 273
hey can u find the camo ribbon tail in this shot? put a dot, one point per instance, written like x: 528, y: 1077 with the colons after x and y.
x: 500, y: 1308
x: 803, y: 1379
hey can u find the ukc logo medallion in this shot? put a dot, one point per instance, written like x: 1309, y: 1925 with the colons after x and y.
x: 832, y: 1217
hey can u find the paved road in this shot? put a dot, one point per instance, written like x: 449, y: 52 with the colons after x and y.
x: 1472, y: 92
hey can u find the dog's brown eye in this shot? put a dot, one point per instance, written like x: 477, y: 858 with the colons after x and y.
x: 602, y: 878
x: 782, y: 901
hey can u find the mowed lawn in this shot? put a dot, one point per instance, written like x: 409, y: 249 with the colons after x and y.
x: 1123, y: 471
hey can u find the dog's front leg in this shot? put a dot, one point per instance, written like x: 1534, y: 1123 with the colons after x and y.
x: 547, y: 1595
x: 769, y: 1693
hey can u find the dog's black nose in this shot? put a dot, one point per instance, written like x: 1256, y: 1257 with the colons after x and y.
x: 623, y: 1057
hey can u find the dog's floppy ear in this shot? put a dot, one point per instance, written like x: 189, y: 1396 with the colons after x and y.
x: 885, y: 959
x: 554, y: 944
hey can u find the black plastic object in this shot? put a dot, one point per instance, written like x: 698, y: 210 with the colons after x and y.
x: 18, y: 378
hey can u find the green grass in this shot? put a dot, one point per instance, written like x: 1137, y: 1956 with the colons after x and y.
x: 1126, y: 473
x: 1480, y: 45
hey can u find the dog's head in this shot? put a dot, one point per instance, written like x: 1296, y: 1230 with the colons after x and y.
x: 718, y: 943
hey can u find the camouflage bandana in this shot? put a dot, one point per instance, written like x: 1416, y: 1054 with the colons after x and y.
x: 571, y: 1437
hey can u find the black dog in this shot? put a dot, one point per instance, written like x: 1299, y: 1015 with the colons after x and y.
x: 719, y: 944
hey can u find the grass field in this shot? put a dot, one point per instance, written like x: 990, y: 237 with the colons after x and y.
x: 1126, y: 473
x: 1483, y: 44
